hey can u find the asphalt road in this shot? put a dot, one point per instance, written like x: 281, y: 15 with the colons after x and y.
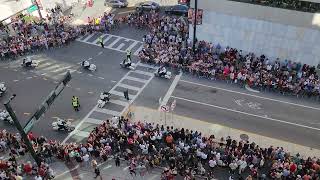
x: 267, y: 114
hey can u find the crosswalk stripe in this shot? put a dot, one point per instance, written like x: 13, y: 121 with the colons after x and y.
x: 143, y: 72
x: 107, y: 39
x: 51, y: 67
x: 82, y: 133
x: 119, y: 102
x: 62, y: 68
x: 87, y: 38
x: 147, y: 66
x: 108, y: 111
x: 102, y: 36
x: 120, y: 93
x: 114, y: 42
x: 93, y: 121
x: 132, y: 45
x: 126, y: 168
x: 128, y: 87
x: 107, y: 167
x: 138, y: 50
x: 70, y: 70
x: 136, y: 79
x: 44, y: 65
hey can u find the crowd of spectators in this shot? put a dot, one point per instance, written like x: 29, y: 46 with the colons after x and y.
x: 164, y: 46
x: 182, y: 152
x: 298, y: 5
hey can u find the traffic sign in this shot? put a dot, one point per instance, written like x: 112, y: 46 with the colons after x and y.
x: 164, y: 108
x: 32, y: 8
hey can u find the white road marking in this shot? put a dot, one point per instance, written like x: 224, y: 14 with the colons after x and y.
x: 101, y: 77
x: 87, y: 38
x: 16, y: 80
x: 143, y: 72
x: 68, y: 171
x: 138, y: 50
x: 79, y: 72
x: 82, y: 133
x: 113, y: 81
x: 119, y: 102
x: 129, y: 87
x: 113, y: 43
x: 170, y: 90
x: 93, y: 121
x: 136, y: 79
x: 90, y: 92
x: 43, y: 74
x: 107, y: 39
x: 126, y: 168
x: 107, y: 167
x: 44, y: 65
x: 148, y: 66
x: 24, y: 73
x: 99, y: 53
x: 90, y: 75
x: 132, y: 45
x: 261, y: 97
x: 248, y: 114
x: 51, y: 67
x: 250, y: 89
x: 238, y: 101
x: 120, y: 93
x: 29, y: 78
x: 78, y: 89
x: 62, y: 69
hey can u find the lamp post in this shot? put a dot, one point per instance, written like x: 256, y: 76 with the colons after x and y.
x: 20, y: 129
x: 195, y: 25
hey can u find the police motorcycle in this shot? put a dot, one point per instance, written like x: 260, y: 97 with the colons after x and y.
x: 86, y: 65
x: 62, y: 125
x: 104, y: 98
x: 162, y: 72
x: 3, y: 88
x: 27, y: 62
x: 5, y: 117
x: 126, y: 63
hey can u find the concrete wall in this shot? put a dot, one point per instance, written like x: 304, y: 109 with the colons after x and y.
x: 264, y: 30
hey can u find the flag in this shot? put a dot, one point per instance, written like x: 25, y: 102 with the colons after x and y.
x: 173, y: 105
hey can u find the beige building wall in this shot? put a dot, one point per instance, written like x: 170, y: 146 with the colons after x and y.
x: 271, y: 31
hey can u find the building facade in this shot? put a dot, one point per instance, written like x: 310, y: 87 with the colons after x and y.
x: 274, y: 32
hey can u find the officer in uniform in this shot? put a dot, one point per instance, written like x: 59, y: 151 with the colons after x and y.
x: 75, y: 103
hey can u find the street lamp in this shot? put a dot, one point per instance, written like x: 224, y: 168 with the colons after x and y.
x: 20, y: 129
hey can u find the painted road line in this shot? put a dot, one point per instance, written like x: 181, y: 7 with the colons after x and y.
x: 101, y: 77
x: 107, y: 39
x: 67, y: 172
x: 248, y: 114
x: 82, y: 133
x: 107, y: 167
x: 51, y: 67
x: 29, y: 78
x: 136, y: 79
x: 70, y: 70
x: 132, y: 45
x: 261, y: 97
x: 107, y: 111
x: 131, y: 96
x: 138, y: 50
x: 148, y: 66
x: 93, y: 121
x: 119, y: 102
x: 129, y: 87
x: 87, y: 38
x: 170, y: 90
x: 143, y: 73
x: 250, y: 89
x: 113, y: 43
x: 16, y: 80
x: 44, y: 65
x: 61, y: 69
x: 126, y: 168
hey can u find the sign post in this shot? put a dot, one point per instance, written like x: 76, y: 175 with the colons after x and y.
x: 165, y: 109
x: 173, y: 105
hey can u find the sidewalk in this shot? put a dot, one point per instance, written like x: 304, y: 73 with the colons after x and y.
x: 144, y: 114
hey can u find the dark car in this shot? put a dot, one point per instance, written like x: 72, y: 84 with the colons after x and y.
x: 148, y: 5
x: 179, y: 9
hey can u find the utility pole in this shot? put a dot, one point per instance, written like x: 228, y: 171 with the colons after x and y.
x: 195, y: 25
x: 21, y: 131
x: 36, y: 3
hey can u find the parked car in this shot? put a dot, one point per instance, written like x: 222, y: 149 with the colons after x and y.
x: 179, y: 9
x: 116, y: 3
x: 148, y: 5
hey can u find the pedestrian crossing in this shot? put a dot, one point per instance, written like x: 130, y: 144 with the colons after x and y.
x: 47, y: 67
x: 134, y: 81
x: 113, y: 42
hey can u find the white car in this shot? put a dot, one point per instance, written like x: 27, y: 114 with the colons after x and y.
x: 116, y: 3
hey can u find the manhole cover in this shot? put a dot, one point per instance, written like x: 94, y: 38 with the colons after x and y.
x: 244, y: 137
x: 213, y: 91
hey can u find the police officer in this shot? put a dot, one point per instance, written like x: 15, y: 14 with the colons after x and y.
x: 75, y: 103
x: 128, y: 54
x: 101, y: 42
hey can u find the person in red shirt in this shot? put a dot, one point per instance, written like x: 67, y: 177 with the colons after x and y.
x: 293, y: 168
x: 27, y: 168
